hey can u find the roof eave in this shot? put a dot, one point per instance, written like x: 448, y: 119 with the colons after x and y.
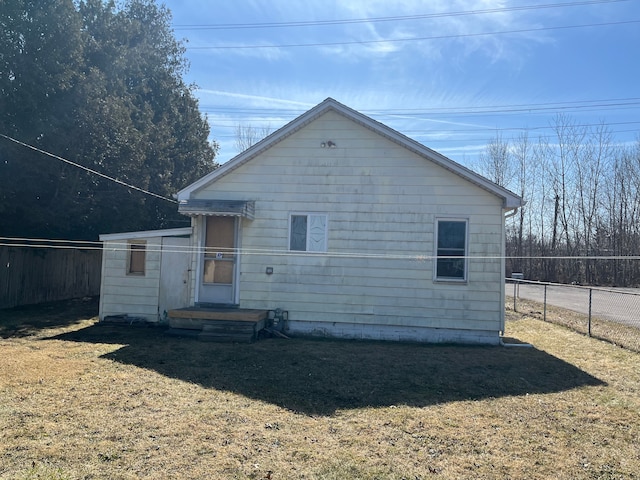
x: 170, y: 232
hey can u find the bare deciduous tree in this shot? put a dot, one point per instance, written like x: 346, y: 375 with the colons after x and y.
x: 248, y: 135
x: 495, y: 162
x: 582, y: 198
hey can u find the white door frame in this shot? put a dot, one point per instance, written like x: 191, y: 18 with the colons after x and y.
x: 235, y: 286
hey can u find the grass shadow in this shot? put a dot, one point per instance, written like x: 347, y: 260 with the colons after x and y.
x: 30, y: 320
x: 318, y: 377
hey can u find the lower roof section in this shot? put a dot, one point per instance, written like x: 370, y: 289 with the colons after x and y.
x: 170, y: 232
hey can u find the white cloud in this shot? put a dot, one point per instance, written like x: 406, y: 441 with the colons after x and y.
x: 263, y: 50
x: 494, y: 46
x: 255, y: 100
x: 279, y: 11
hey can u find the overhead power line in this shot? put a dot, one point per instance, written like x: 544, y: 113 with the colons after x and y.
x: 314, y: 23
x: 124, y: 246
x: 471, y: 134
x: 523, y: 107
x: 82, y: 167
x: 581, y: 105
x: 413, y: 39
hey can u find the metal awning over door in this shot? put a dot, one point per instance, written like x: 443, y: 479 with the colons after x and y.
x: 227, y: 208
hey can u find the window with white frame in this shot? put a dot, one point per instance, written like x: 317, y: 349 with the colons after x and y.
x: 451, y: 249
x: 308, y: 232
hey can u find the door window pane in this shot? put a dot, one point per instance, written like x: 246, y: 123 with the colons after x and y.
x: 220, y: 235
x: 218, y: 271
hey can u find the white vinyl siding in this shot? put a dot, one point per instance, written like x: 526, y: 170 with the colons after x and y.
x: 383, y: 202
x: 130, y: 293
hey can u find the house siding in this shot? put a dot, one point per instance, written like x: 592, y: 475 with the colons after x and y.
x: 376, y: 279
x: 133, y: 295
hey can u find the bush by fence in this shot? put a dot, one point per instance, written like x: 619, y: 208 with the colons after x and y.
x: 605, y: 313
x: 36, y: 275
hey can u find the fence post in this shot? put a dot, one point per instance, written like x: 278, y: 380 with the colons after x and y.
x: 516, y: 277
x: 590, y: 295
x: 544, y: 317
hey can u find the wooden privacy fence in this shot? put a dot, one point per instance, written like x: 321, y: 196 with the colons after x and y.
x: 36, y: 275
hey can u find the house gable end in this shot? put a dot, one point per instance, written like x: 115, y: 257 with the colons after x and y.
x: 509, y: 199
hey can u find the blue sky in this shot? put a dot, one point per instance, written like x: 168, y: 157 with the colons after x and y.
x: 430, y: 72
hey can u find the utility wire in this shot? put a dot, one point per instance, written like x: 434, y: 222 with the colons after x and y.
x: 123, y: 246
x: 549, y: 127
x: 82, y: 167
x: 479, y: 141
x: 486, y: 129
x: 516, y: 108
x: 449, y: 111
x: 414, y: 39
x: 455, y: 110
x: 313, y: 23
x: 627, y: 104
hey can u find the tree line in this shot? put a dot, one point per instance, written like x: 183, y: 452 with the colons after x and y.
x: 99, y: 84
x: 582, y: 212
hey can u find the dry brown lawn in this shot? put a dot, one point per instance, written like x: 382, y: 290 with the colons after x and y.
x: 79, y: 400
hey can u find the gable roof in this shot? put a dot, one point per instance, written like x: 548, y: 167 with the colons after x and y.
x: 510, y: 200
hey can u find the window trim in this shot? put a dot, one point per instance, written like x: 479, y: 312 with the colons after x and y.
x: 465, y: 277
x: 308, y: 214
x: 136, y: 246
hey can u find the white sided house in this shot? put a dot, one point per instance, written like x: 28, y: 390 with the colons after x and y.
x: 352, y: 228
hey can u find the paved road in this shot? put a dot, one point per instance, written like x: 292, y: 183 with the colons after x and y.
x: 620, y: 305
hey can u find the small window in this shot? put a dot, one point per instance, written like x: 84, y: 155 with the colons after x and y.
x: 308, y: 233
x: 137, y: 258
x: 451, y: 250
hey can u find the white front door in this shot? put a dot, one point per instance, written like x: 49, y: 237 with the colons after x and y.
x: 218, y: 263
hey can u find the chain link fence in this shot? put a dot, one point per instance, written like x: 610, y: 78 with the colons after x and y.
x: 611, y: 314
